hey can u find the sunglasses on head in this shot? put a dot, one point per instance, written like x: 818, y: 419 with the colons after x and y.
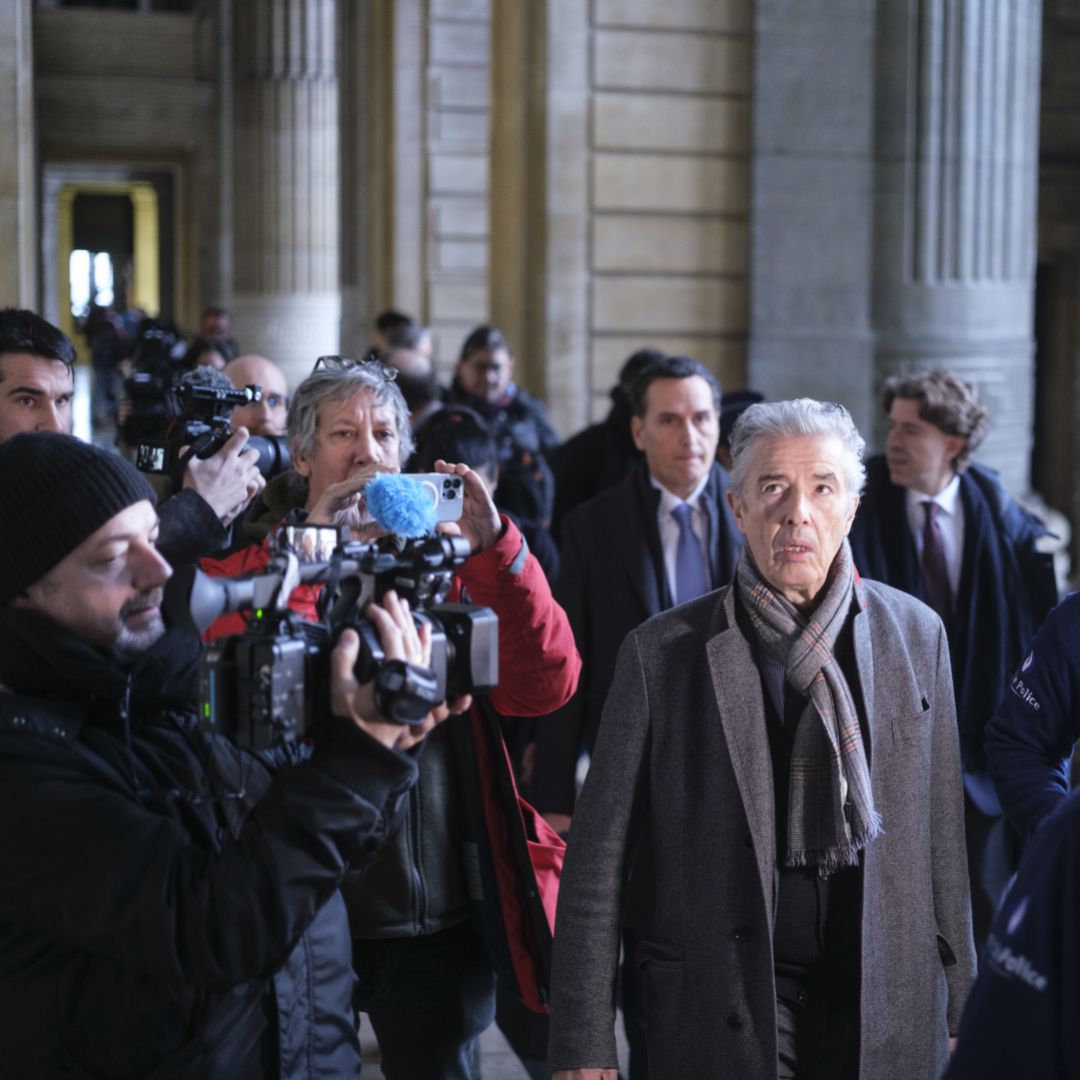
x: 346, y: 363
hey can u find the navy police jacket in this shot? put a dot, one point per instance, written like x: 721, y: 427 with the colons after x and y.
x: 1030, y: 739
x: 1020, y: 1019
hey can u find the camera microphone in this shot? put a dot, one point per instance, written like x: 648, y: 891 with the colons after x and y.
x: 205, y: 375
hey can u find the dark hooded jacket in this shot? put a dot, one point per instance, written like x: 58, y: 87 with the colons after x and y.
x: 169, y: 905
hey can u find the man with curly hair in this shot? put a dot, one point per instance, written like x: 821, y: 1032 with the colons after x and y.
x: 944, y: 529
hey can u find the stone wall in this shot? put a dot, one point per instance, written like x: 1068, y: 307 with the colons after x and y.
x: 457, y: 143
x: 670, y: 144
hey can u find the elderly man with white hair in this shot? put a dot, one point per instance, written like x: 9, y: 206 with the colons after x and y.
x: 782, y: 753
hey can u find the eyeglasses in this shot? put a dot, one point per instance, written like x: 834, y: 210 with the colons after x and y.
x: 346, y: 363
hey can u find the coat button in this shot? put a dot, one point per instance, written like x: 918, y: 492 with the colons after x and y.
x: 741, y: 933
x: 734, y: 1021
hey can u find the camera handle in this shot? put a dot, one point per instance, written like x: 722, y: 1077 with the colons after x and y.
x: 405, y: 693
x: 203, y: 446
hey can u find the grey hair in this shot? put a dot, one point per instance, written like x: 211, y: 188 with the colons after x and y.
x: 326, y: 385
x: 800, y: 418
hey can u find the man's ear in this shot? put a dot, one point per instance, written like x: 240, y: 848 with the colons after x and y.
x: 637, y: 428
x: 851, y: 514
x: 736, y: 510
x: 954, y: 446
x: 300, y: 462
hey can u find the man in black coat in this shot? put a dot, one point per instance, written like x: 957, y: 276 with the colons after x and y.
x: 169, y: 905
x: 945, y: 530
x: 622, y: 555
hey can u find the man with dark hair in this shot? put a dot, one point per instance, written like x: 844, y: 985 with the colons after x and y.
x: 457, y: 433
x: 36, y: 374
x: 661, y: 537
x: 36, y: 388
x: 781, y: 754
x: 603, y: 454
x: 169, y: 902
x: 944, y: 529
x: 483, y: 380
x: 386, y: 323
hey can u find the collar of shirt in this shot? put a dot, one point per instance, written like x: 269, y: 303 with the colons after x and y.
x: 669, y: 500
x: 946, y: 499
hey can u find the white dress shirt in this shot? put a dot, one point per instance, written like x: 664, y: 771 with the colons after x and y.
x: 950, y: 519
x: 669, y: 527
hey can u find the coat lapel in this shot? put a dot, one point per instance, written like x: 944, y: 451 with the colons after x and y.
x: 864, y: 664
x: 639, y: 540
x: 737, y: 685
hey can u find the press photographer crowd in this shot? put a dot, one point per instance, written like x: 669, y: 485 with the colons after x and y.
x: 298, y: 684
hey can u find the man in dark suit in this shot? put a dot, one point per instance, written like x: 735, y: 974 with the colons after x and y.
x: 620, y: 552
x: 663, y: 536
x: 945, y: 530
x: 783, y: 753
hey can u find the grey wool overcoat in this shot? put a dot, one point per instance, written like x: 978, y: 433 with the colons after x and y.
x: 682, y: 767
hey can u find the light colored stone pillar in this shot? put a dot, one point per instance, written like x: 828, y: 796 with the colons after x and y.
x: 18, y: 217
x: 539, y: 277
x: 954, y: 260
x: 286, y: 300
x: 811, y: 202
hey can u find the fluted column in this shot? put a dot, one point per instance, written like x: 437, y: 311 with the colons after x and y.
x: 286, y: 301
x: 957, y: 134
x: 18, y: 219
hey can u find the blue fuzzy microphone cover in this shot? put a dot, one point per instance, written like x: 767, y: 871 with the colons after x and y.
x: 399, y: 503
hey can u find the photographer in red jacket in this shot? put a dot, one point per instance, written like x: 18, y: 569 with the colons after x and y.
x: 424, y: 978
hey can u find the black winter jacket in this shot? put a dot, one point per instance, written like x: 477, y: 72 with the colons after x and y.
x: 169, y: 905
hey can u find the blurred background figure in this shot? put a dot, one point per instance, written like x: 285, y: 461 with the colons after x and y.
x: 604, y: 453
x: 526, y: 441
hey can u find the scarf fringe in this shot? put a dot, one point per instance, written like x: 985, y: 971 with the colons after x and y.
x: 830, y: 860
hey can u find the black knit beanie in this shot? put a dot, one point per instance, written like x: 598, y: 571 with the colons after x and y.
x: 56, y: 491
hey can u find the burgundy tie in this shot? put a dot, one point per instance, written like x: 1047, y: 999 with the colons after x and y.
x: 934, y: 568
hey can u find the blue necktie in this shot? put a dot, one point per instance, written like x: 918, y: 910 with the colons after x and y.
x: 691, y: 572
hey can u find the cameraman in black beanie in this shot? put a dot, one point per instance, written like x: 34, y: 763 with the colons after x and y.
x: 169, y: 903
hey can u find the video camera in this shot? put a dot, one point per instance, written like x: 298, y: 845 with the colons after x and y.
x: 270, y: 684
x: 205, y: 400
x: 157, y: 363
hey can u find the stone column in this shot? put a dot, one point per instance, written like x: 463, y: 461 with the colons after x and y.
x: 286, y: 300
x: 539, y: 270
x: 956, y: 149
x: 18, y: 217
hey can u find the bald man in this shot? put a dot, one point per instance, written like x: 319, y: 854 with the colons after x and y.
x: 266, y: 417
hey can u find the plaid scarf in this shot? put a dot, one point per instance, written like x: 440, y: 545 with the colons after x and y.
x: 831, y: 811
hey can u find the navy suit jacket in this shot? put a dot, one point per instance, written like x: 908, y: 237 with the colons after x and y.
x: 1007, y: 585
x: 612, y: 579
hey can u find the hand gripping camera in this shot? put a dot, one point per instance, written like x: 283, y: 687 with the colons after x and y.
x: 270, y: 684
